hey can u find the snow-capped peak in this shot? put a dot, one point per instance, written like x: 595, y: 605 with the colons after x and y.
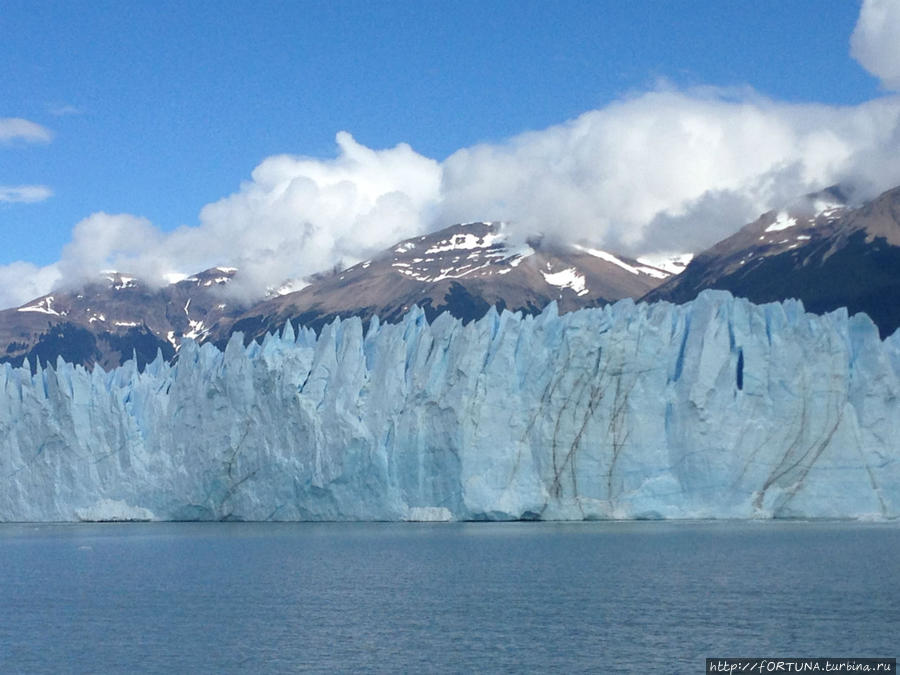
x: 466, y: 242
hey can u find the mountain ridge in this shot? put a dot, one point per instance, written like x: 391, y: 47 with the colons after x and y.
x: 464, y: 269
x: 114, y: 317
x: 820, y: 250
x: 827, y: 254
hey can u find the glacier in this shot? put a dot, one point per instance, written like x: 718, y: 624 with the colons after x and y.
x: 713, y: 409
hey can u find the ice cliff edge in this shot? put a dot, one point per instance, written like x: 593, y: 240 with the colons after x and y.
x: 716, y: 408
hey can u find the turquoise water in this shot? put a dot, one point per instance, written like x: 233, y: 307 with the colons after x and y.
x: 487, y: 597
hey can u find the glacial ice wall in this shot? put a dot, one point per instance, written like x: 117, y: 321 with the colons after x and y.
x: 717, y: 408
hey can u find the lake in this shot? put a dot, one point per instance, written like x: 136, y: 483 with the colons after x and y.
x: 449, y: 597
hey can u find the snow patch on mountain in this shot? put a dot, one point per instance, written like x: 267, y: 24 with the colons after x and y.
x: 828, y: 209
x: 782, y: 222
x: 673, y: 263
x: 197, y: 330
x: 466, y: 241
x: 610, y: 258
x: 459, y: 255
x: 289, y: 286
x: 43, y: 306
x: 567, y: 278
x: 516, y: 256
x: 118, y: 281
x: 217, y: 280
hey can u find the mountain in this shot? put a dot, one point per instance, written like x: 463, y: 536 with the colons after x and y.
x: 464, y: 270
x: 113, y: 317
x: 819, y: 250
x: 712, y: 409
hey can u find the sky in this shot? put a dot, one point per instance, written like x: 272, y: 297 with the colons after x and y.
x: 283, y: 138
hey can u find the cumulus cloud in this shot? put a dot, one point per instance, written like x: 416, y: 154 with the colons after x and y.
x: 671, y: 169
x: 300, y: 215
x: 18, y: 129
x: 296, y: 216
x: 874, y: 41
x: 24, y: 194
x: 668, y: 170
x: 23, y: 281
x: 664, y: 171
x: 111, y: 241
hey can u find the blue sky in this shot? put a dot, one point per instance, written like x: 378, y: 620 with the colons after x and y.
x: 143, y: 113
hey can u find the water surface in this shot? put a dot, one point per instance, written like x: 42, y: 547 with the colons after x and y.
x: 495, y: 597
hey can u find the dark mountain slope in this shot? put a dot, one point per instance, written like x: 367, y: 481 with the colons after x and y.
x: 821, y: 252
x: 110, y: 319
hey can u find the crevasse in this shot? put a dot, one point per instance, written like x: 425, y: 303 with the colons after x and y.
x: 714, y: 409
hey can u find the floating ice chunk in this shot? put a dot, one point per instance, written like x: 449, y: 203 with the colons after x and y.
x: 113, y: 510
x: 429, y: 514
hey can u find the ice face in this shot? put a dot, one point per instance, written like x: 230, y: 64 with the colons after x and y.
x: 714, y: 409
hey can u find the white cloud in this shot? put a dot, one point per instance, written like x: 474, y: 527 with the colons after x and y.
x: 300, y: 215
x: 111, y: 241
x: 18, y: 129
x: 295, y: 217
x: 21, y: 282
x: 65, y: 110
x: 665, y: 170
x: 874, y: 42
x: 617, y: 175
x: 24, y: 194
